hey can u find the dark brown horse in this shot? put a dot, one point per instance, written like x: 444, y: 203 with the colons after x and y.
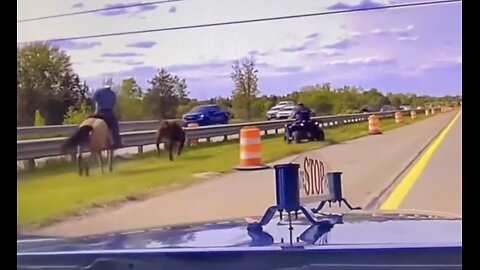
x: 171, y: 134
x: 94, y: 134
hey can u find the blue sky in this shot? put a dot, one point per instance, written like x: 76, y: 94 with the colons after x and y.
x: 416, y: 50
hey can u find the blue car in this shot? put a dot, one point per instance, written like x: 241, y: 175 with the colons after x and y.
x: 206, y: 115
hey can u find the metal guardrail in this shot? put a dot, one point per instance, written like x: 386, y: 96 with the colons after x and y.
x: 65, y: 130
x: 41, y: 148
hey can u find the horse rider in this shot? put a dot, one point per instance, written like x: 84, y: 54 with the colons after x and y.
x: 104, y: 100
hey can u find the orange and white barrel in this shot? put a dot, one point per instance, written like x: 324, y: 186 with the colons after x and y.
x: 432, y: 111
x: 427, y: 112
x: 193, y: 142
x: 413, y: 115
x: 398, y: 117
x: 250, y: 149
x: 374, y: 125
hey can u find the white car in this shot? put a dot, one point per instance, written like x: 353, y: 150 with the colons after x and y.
x: 287, y: 112
x: 272, y: 113
x: 285, y: 103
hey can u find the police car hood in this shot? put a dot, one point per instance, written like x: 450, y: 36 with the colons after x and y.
x: 410, y: 228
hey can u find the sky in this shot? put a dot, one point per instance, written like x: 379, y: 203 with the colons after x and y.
x: 415, y: 50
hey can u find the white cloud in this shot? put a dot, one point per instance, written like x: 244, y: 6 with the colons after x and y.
x: 330, y: 52
x: 402, y: 32
x: 443, y: 62
x: 406, y: 29
x: 378, y: 31
x: 407, y: 38
x: 373, y: 61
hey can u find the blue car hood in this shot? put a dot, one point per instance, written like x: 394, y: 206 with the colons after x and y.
x: 361, y: 228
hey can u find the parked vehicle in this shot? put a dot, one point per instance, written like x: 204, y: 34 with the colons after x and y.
x: 205, y: 115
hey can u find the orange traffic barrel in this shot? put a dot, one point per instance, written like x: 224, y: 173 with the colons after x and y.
x: 374, y: 125
x: 427, y: 112
x: 250, y: 149
x: 433, y: 111
x: 398, y: 117
x: 413, y: 114
x: 193, y: 142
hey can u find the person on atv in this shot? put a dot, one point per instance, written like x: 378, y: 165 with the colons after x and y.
x: 302, y: 114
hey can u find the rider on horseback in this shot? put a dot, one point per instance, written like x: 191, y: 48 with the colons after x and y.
x: 105, y: 100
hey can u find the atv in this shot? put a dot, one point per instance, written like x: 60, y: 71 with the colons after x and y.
x: 304, y: 130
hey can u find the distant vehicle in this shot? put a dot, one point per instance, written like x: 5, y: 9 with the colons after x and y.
x: 387, y: 108
x: 406, y: 108
x: 272, y: 113
x: 285, y: 103
x: 205, y: 115
x: 286, y: 112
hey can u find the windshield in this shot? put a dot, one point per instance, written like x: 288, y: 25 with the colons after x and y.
x: 113, y: 134
x: 289, y: 108
x: 276, y: 108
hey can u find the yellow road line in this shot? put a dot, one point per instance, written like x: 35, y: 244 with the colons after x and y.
x: 406, y: 184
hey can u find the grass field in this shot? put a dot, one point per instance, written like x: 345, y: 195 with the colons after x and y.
x: 56, y: 192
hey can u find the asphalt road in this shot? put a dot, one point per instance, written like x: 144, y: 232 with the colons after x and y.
x: 372, y: 166
x: 437, y: 185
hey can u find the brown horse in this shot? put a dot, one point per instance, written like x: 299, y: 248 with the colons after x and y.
x: 93, y: 133
x: 171, y: 134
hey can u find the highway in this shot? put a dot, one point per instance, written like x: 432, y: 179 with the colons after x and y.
x: 374, y: 167
x: 438, y: 182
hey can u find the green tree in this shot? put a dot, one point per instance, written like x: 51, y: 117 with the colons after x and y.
x: 45, y: 82
x: 165, y: 94
x: 76, y: 115
x: 395, y: 100
x: 130, y: 101
x: 384, y: 101
x: 245, y: 78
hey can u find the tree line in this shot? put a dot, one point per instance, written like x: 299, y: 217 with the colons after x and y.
x: 49, y: 92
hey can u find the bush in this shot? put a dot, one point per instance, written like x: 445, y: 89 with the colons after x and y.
x: 75, y: 116
x: 39, y: 121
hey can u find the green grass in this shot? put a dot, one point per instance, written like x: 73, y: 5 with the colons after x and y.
x: 56, y: 191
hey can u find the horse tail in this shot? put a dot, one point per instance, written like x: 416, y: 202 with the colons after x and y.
x: 77, y: 138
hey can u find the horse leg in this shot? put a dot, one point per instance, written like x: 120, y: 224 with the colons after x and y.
x: 110, y: 159
x: 170, y: 150
x: 87, y: 164
x: 80, y: 161
x: 180, y: 147
x: 100, y: 159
